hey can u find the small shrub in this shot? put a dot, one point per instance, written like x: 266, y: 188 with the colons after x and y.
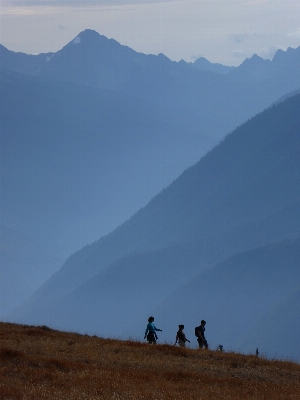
x: 7, y: 353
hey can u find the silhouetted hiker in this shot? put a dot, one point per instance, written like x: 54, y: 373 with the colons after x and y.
x: 150, y: 332
x: 199, y: 332
x: 180, y: 337
x: 257, y: 352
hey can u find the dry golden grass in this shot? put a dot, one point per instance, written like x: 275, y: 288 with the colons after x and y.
x: 39, y: 363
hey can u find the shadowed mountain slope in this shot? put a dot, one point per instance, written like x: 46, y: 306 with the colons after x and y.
x: 286, y: 96
x: 243, y: 194
x: 236, y: 293
x: 277, y: 331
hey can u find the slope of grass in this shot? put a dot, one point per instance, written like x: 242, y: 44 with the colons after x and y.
x: 40, y: 363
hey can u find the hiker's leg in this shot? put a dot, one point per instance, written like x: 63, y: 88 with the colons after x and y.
x: 152, y: 339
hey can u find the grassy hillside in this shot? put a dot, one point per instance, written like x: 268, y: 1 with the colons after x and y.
x: 40, y: 363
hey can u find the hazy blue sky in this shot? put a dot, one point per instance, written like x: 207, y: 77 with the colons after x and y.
x: 220, y: 30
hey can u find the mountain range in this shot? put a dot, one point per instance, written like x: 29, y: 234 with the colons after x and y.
x: 220, y: 243
x: 92, y: 132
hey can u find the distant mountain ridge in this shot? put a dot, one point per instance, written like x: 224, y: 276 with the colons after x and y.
x: 167, y: 247
x: 21, y: 62
x: 257, y: 68
x: 204, y: 65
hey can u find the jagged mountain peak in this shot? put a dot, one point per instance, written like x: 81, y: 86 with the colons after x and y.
x: 90, y: 33
x: 258, y: 69
x: 255, y: 60
x: 90, y: 36
x: 203, y: 64
x: 282, y: 57
x: 91, y: 39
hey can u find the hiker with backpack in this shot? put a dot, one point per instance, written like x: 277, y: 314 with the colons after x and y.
x: 180, y: 337
x: 150, y: 332
x: 199, y: 333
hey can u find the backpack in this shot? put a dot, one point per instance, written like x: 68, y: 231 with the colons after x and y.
x: 196, y: 331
